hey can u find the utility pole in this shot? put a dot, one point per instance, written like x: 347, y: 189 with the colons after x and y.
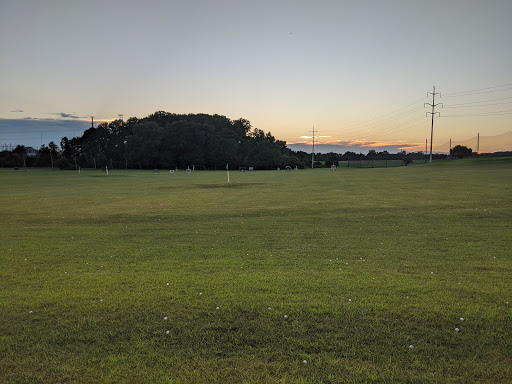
x: 313, y: 151
x: 433, y: 105
x: 92, y: 121
x: 478, y: 143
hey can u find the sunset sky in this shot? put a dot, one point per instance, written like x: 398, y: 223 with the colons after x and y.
x: 358, y: 71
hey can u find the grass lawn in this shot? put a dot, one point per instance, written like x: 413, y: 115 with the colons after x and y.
x: 310, y: 276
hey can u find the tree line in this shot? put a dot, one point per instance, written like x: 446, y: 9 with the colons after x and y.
x: 167, y: 141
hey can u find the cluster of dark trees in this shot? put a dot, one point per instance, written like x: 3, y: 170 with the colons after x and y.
x: 328, y: 159
x: 461, y: 151
x: 167, y: 141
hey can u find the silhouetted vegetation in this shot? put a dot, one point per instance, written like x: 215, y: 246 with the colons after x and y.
x: 461, y: 151
x: 167, y: 140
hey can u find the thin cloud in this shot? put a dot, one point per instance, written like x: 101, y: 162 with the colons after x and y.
x: 67, y: 115
x: 18, y: 111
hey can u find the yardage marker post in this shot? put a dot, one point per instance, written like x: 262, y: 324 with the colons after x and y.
x: 433, y: 105
x: 227, y: 170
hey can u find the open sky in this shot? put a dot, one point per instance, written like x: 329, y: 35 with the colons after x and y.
x: 357, y: 71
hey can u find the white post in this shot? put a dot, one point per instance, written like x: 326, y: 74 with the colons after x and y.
x: 106, y: 169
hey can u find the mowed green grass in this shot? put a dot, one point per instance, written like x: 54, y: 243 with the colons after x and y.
x: 363, y: 262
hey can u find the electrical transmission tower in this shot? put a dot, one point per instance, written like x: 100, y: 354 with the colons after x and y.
x: 433, y: 105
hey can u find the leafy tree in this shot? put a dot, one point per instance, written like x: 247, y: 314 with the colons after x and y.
x: 54, y: 150
x: 332, y: 159
x: 461, y: 151
x: 43, y: 156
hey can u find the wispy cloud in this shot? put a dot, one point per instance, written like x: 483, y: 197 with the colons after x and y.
x: 304, y: 143
x: 67, y: 115
x: 18, y: 111
x: 311, y: 137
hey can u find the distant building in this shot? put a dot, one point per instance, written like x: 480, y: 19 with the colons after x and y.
x: 31, y: 152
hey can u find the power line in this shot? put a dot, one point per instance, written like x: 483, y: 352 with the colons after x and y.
x: 387, y: 129
x: 475, y: 103
x: 476, y: 106
x: 402, y: 129
x: 483, y: 101
x: 496, y: 113
x: 478, y: 93
x: 368, y: 122
x: 480, y: 89
x: 388, y: 120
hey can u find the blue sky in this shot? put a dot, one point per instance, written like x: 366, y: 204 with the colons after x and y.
x: 359, y: 71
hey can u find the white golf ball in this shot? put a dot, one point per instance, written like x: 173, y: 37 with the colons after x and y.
x: 411, y: 346
x: 269, y: 308
x: 165, y: 318
x: 285, y: 316
x: 167, y: 284
x: 217, y: 308
x: 461, y: 319
x: 168, y: 332
x: 305, y: 361
x: 457, y: 329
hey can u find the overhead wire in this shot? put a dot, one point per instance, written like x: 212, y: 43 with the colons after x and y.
x: 476, y: 90
x: 495, y: 113
x: 475, y: 93
x: 369, y: 122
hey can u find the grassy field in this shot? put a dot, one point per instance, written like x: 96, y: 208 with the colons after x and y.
x: 310, y: 276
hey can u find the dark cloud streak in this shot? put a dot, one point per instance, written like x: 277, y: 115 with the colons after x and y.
x: 67, y: 115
